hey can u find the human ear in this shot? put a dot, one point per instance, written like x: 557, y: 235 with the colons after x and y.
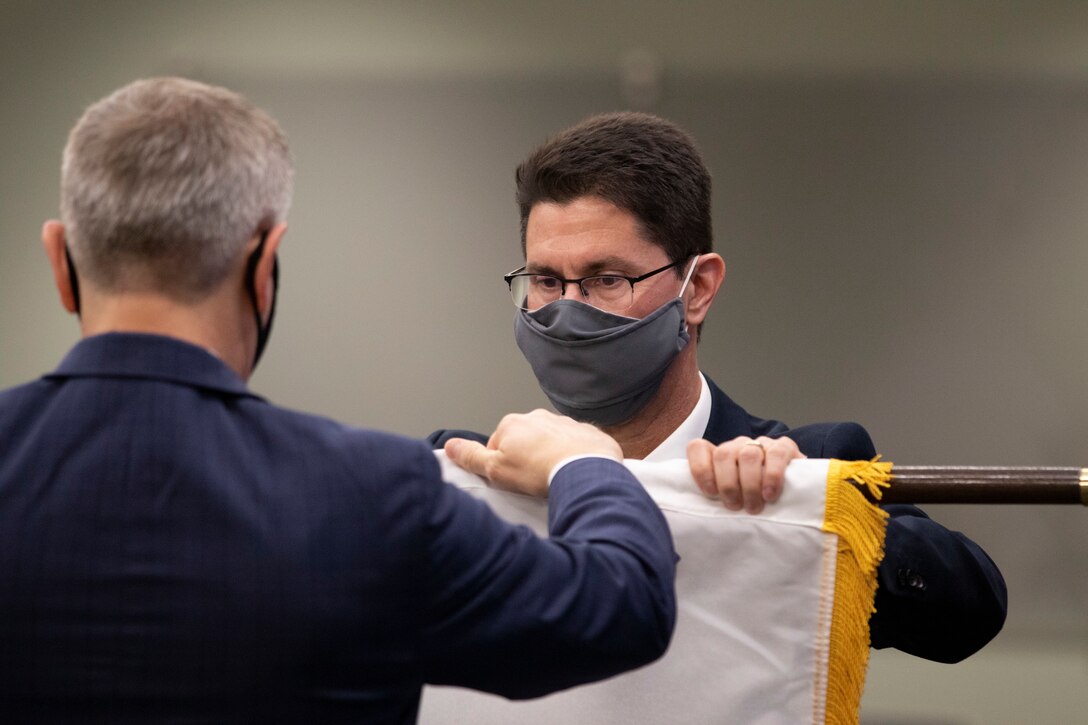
x: 705, y: 281
x: 55, y: 242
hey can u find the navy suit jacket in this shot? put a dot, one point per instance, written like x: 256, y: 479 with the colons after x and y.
x: 174, y: 548
x: 939, y: 596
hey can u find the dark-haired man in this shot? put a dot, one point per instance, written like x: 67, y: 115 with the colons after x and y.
x: 619, y: 274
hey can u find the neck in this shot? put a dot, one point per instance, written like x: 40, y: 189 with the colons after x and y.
x: 673, y: 403
x: 208, y: 323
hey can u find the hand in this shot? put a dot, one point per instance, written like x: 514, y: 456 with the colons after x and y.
x: 743, y: 473
x: 524, y: 449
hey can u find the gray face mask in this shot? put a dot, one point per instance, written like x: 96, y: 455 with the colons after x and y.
x: 596, y: 366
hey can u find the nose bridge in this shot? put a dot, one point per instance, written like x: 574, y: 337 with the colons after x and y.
x: 577, y: 284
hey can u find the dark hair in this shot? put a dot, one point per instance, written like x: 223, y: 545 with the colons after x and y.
x: 643, y: 164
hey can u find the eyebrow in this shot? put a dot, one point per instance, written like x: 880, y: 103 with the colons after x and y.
x: 595, y: 267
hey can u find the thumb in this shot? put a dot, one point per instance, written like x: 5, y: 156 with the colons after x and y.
x: 469, y: 455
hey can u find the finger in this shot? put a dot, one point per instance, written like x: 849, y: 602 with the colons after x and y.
x: 750, y: 476
x: 725, y: 474
x: 778, y: 455
x: 506, y: 422
x: 701, y: 463
x: 469, y: 455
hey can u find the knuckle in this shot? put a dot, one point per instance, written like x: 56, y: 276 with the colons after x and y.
x: 750, y: 454
x: 779, y: 455
x: 730, y: 489
x: 752, y: 487
x: 723, y: 453
x: 707, y: 485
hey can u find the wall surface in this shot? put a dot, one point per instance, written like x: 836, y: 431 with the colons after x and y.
x: 904, y: 249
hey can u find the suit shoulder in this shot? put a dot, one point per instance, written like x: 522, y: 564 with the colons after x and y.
x: 25, y: 392
x: 845, y: 440
x: 330, y: 438
x: 18, y: 404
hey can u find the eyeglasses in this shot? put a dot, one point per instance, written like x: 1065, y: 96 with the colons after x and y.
x: 609, y: 292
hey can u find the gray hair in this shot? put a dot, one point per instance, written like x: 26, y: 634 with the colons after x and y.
x: 165, y: 180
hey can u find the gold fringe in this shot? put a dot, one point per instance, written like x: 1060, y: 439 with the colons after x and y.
x: 874, y: 475
x: 860, y: 526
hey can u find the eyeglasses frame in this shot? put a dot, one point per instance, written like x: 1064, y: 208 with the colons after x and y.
x: 520, y: 272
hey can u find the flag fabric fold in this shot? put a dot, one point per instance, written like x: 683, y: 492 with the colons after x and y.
x: 773, y: 614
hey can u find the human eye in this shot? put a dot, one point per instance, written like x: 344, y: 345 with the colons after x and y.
x: 607, y: 288
x: 606, y: 282
x: 544, y: 283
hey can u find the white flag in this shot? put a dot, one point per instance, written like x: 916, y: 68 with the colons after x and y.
x: 773, y: 609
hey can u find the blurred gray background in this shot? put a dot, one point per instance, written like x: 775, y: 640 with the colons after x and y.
x: 900, y: 195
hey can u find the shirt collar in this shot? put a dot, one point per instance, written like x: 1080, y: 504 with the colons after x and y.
x: 676, y: 445
x: 149, y: 357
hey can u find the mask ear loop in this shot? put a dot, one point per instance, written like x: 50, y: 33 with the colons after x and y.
x: 263, y: 330
x: 683, y: 287
x: 73, y: 280
x: 687, y: 278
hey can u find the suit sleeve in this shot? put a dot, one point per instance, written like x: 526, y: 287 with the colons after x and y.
x: 438, y: 439
x: 520, y: 616
x: 939, y: 595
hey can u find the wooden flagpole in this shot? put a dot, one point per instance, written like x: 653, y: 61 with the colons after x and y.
x: 987, y: 484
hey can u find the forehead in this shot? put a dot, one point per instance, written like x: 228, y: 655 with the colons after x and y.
x: 584, y: 235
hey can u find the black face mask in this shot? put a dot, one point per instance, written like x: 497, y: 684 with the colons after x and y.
x: 263, y: 331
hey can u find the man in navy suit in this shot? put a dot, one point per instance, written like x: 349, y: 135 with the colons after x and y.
x: 175, y: 548
x: 619, y: 275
